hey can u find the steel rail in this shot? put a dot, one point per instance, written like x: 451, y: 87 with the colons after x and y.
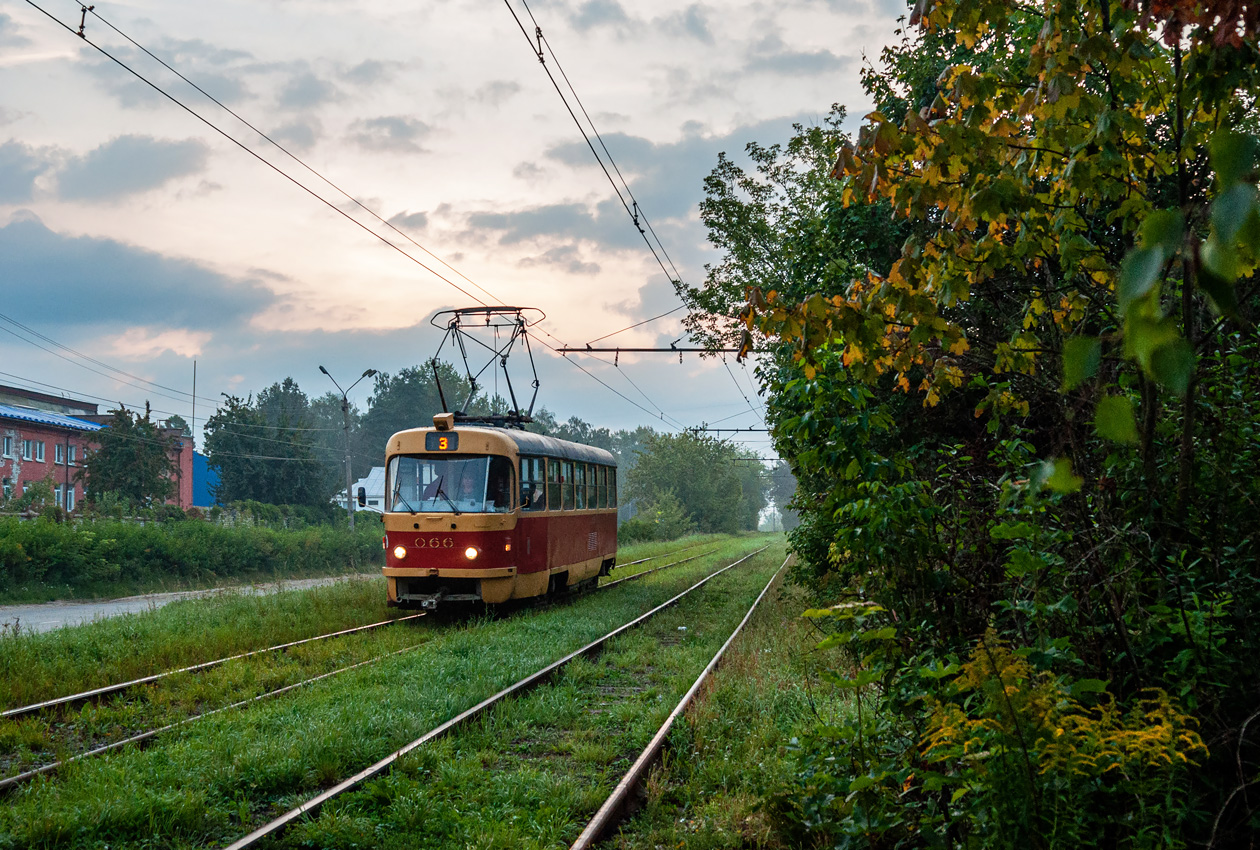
x: 205, y: 665
x: 312, y: 806
x: 614, y: 807
x: 17, y: 779
x: 655, y: 569
x: 10, y: 782
x: 106, y: 690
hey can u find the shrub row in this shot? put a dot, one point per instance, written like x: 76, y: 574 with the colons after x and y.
x: 89, y: 555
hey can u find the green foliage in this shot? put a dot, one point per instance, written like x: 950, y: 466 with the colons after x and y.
x: 132, y: 460
x: 719, y: 486
x: 664, y: 518
x: 262, y: 449
x: 1035, y: 427
x: 89, y: 557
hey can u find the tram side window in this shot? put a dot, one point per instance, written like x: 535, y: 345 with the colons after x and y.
x: 579, y: 484
x: 499, y: 485
x: 533, y: 484
x: 553, y: 485
x: 566, y: 484
x: 612, y: 486
x: 601, y: 485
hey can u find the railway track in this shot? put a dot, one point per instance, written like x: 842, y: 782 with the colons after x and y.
x: 120, y: 687
x: 144, y: 737
x: 313, y: 805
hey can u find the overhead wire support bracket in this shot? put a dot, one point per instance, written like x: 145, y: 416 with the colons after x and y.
x: 566, y: 349
x: 83, y: 20
x: 732, y: 430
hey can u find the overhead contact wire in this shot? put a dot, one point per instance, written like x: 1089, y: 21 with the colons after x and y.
x: 254, y: 154
x: 292, y: 155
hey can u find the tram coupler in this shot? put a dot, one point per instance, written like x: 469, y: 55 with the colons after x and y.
x: 429, y: 602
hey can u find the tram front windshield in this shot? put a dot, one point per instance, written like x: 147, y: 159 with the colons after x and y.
x: 450, y: 484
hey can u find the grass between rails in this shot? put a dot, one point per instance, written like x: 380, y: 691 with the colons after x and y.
x: 33, y: 741
x: 35, y: 667
x: 220, y: 777
x: 731, y: 753
x: 532, y: 773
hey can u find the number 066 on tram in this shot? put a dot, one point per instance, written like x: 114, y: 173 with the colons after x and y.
x: 480, y: 513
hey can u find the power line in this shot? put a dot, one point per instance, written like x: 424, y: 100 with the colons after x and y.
x: 252, y: 153
x: 96, y: 362
x: 635, y: 213
x: 310, y: 191
x: 290, y: 154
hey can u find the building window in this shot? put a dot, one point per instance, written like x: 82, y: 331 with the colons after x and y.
x: 73, y: 452
x: 27, y: 447
x: 8, y: 488
x: 8, y: 447
x: 59, y: 454
x: 39, y: 450
x: 57, y: 495
x: 70, y: 499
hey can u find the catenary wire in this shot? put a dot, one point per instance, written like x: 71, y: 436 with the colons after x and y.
x: 252, y: 153
x: 318, y: 197
x: 292, y: 155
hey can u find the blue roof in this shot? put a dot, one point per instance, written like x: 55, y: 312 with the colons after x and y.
x: 44, y: 417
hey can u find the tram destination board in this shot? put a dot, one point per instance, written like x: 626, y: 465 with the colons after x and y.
x: 434, y: 442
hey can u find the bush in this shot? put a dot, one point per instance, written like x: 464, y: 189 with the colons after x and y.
x: 90, y: 557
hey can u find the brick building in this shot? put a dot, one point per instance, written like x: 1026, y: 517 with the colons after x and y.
x: 45, y: 435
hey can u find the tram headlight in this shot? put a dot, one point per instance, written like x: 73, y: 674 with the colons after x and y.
x: 400, y: 552
x: 471, y: 553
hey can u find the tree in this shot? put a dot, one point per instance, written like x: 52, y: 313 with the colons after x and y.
x: 406, y: 400
x: 1024, y: 440
x: 132, y: 459
x: 263, y: 451
x: 704, y: 475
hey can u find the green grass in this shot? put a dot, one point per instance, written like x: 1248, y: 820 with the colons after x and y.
x: 211, y: 782
x: 731, y: 754
x: 530, y: 774
x: 40, y: 666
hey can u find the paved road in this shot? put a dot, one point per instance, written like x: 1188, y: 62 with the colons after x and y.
x: 52, y: 615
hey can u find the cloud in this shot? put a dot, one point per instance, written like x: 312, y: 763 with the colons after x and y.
x: 216, y: 70
x: 128, y: 165
x: 565, y: 257
x: 9, y: 36
x: 8, y: 116
x: 530, y: 171
x: 142, y: 343
x: 599, y: 13
x: 396, y: 133
x: 497, y: 92
x: 83, y: 281
x: 306, y: 91
x: 300, y: 135
x: 410, y: 221
x: 368, y: 72
x: 522, y: 225
x: 20, y: 165
x: 692, y: 22
x: 771, y: 55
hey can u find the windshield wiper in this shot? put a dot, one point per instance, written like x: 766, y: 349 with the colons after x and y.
x: 398, y: 497
x: 441, y: 492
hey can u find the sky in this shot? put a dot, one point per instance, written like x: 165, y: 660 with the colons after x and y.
x: 135, y: 235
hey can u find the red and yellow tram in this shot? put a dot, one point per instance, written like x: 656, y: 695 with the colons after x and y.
x: 476, y: 513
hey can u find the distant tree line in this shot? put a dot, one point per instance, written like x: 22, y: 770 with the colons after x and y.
x: 280, y: 446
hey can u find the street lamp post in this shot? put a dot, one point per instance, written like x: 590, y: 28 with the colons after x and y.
x: 345, y: 415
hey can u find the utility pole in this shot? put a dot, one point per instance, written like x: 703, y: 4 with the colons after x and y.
x: 345, y: 414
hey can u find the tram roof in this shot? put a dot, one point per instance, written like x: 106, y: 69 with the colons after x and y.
x: 528, y: 442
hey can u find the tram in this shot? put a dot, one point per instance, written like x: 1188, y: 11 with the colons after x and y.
x: 490, y: 514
